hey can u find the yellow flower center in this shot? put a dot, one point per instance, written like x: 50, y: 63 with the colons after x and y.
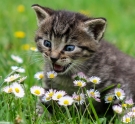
x: 51, y: 94
x: 92, y: 94
x: 118, y: 94
x: 79, y: 84
x: 94, y: 81
x: 48, y: 98
x: 10, y: 90
x: 41, y: 76
x: 51, y: 76
x: 133, y: 110
x: 110, y: 98
x: 78, y: 98
x: 127, y: 120
x: 66, y: 102
x: 117, y: 111
x: 37, y: 92
x: 59, y: 96
x: 12, y: 78
x: 33, y: 48
x: 17, y: 90
x: 124, y: 105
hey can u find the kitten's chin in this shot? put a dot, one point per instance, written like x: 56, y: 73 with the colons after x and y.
x: 60, y: 69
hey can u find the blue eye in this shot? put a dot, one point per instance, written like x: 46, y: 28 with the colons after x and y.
x: 69, y: 48
x: 47, y: 43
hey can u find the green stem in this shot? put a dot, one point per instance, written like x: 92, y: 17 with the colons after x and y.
x: 29, y: 106
x: 68, y: 113
x: 35, y: 107
x: 20, y: 107
x: 53, y: 102
x: 93, y: 110
x: 88, y: 113
x: 107, y: 109
x: 78, y: 92
x: 107, y: 88
x: 112, y: 119
x: 77, y: 111
x: 94, y: 86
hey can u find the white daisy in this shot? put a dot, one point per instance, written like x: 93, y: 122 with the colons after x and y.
x: 65, y: 101
x: 18, y: 69
x: 46, y: 98
x: 131, y: 114
x: 39, y: 75
x: 95, y: 80
x: 11, y: 78
x: 17, y: 59
x: 133, y: 109
x: 51, y: 74
x: 117, y: 109
x: 119, y: 93
x: 18, y: 90
x: 48, y: 95
x: 22, y: 79
x: 93, y: 93
x: 126, y: 119
x: 37, y: 90
x: 79, y: 99
x: 79, y: 83
x: 8, y: 89
x: 33, y: 49
x: 80, y: 76
x: 129, y: 102
x: 58, y: 95
x: 109, y: 98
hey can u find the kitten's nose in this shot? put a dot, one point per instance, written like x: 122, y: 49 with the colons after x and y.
x: 54, y: 59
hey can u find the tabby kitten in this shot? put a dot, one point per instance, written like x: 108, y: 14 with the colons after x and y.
x: 71, y: 42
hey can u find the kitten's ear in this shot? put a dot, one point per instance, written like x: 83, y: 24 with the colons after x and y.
x: 42, y: 12
x: 95, y: 27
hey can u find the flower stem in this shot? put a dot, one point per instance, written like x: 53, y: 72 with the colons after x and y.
x: 93, y: 110
x: 107, y: 110
x: 77, y: 111
x: 68, y: 113
x: 35, y: 107
x: 112, y: 119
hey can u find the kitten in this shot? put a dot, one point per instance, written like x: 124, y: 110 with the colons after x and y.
x: 71, y: 42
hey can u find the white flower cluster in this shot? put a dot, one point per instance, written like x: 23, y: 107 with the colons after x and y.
x: 125, y: 108
x: 15, y: 79
x: 79, y: 98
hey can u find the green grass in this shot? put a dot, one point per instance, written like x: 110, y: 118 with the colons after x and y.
x: 120, y: 15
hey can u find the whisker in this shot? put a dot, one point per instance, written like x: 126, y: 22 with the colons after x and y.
x: 77, y: 66
x: 41, y: 60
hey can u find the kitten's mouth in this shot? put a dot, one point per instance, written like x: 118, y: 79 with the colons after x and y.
x: 58, y: 68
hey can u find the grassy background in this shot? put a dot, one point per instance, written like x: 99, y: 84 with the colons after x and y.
x: 120, y: 15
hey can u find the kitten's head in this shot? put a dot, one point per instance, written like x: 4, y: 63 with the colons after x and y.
x: 67, y: 39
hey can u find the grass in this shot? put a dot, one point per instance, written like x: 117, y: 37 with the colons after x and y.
x: 120, y: 31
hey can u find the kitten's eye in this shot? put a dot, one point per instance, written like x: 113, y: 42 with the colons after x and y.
x: 47, y: 43
x: 69, y: 48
